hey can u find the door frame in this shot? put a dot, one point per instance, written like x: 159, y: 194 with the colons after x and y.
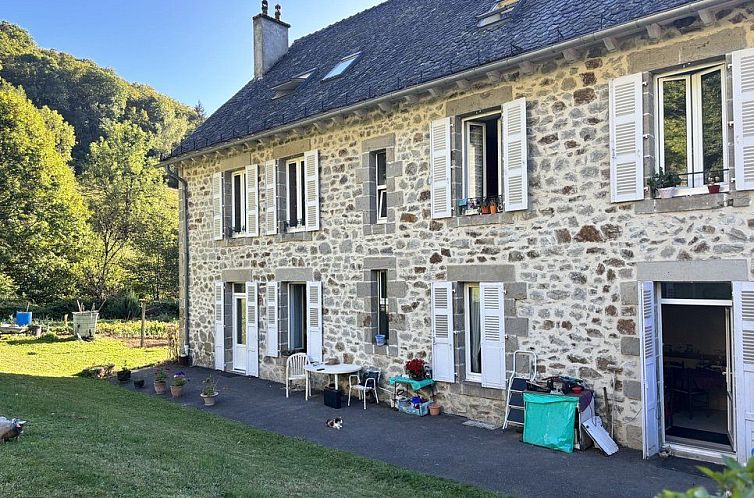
x: 700, y: 452
x: 240, y: 360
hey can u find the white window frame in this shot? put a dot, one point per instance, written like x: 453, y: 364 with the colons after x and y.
x: 304, y: 311
x: 300, y: 164
x: 467, y: 123
x: 378, y: 274
x: 470, y: 376
x: 380, y: 188
x: 238, y: 296
x: 241, y: 196
x: 695, y: 150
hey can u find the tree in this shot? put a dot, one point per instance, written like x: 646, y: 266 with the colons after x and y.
x: 120, y: 180
x: 43, y: 213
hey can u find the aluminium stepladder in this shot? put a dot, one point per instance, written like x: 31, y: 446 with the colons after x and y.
x: 514, y: 405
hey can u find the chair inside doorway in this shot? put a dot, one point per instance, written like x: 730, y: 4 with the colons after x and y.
x: 696, y: 364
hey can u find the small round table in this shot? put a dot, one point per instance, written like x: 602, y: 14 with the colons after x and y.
x: 321, y: 368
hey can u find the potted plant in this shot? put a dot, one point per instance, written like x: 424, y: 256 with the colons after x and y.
x: 124, y: 375
x: 415, y: 369
x: 713, y: 181
x: 160, y: 384
x: 493, y: 206
x: 209, y: 391
x: 379, y: 339
x: 435, y: 409
x: 176, y: 388
x: 665, y: 183
x: 485, y: 207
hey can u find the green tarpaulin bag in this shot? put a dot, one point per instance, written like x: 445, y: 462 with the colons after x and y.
x: 549, y: 420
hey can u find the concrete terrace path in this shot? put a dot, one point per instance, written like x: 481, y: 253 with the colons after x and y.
x: 441, y: 446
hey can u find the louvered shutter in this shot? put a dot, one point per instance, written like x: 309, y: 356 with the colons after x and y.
x: 515, y: 151
x: 443, y: 364
x: 219, y: 326
x: 649, y: 353
x: 217, y: 206
x: 743, y: 117
x: 252, y: 330
x: 272, y: 319
x: 492, y: 319
x: 439, y: 139
x: 311, y: 193
x: 626, y: 142
x: 743, y: 372
x: 270, y: 198
x: 252, y: 200
x: 314, y: 320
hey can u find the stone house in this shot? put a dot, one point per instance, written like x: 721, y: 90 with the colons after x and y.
x: 472, y: 178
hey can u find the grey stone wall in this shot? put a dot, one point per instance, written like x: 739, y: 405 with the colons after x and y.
x: 570, y: 260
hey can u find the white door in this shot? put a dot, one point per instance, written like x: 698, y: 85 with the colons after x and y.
x: 730, y: 359
x: 743, y: 344
x: 240, y: 354
x: 649, y: 353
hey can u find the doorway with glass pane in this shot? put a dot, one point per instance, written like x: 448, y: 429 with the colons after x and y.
x: 239, y: 327
x: 473, y: 333
x: 697, y: 364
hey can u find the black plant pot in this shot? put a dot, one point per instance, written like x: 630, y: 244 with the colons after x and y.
x: 138, y: 383
x: 184, y: 361
x: 124, y: 375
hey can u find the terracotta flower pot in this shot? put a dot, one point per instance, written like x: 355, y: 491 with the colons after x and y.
x: 713, y: 188
x: 176, y: 391
x: 160, y: 387
x: 435, y: 409
x: 493, y: 208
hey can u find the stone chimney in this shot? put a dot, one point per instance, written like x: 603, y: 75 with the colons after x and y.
x: 270, y: 39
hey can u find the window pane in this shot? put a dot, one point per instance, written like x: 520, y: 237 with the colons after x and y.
x: 292, y: 195
x: 381, y: 160
x: 475, y: 160
x: 241, y: 321
x: 475, y: 335
x: 382, y: 312
x: 696, y: 290
x: 712, y: 125
x: 675, y: 127
x: 237, y: 218
x: 298, y: 316
x: 301, y: 195
x: 382, y: 203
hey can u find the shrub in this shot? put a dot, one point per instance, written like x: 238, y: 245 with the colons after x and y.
x: 132, y: 329
x: 735, y: 480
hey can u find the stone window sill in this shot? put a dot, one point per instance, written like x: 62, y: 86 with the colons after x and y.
x: 299, y: 236
x: 692, y: 203
x: 386, y: 350
x: 482, y: 219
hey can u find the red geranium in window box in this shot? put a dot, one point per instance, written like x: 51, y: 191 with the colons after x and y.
x: 415, y: 368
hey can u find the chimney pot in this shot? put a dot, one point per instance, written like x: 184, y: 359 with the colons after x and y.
x: 265, y: 7
x: 278, y: 11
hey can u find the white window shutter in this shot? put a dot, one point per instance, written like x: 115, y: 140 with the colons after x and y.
x: 314, y: 320
x: 515, y: 156
x: 743, y: 340
x: 743, y: 117
x: 272, y: 319
x: 252, y: 200
x: 270, y: 198
x: 217, y: 206
x: 626, y: 139
x: 443, y: 363
x: 252, y: 330
x: 492, y: 319
x: 311, y: 193
x: 649, y: 353
x: 439, y: 140
x: 219, y: 326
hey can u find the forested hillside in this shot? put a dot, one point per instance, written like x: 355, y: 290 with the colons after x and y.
x: 86, y: 210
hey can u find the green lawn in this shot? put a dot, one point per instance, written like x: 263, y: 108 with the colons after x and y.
x: 92, y: 438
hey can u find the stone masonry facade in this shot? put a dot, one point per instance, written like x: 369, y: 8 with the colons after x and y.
x: 570, y: 263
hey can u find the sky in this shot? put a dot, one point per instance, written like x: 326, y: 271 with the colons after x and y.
x: 191, y: 50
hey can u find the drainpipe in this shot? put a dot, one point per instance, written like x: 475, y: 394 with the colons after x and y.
x: 173, y: 173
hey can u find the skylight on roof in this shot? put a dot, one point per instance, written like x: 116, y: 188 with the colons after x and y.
x: 290, y: 86
x: 341, y: 66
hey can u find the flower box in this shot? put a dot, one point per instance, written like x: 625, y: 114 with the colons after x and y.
x: 406, y: 406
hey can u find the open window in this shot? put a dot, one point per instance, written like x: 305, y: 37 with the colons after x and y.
x: 295, y: 171
x: 473, y: 332
x: 482, y: 190
x: 342, y: 66
x: 380, y: 165
x: 383, y: 324
x: 692, y: 131
x: 238, y: 200
x: 297, y: 317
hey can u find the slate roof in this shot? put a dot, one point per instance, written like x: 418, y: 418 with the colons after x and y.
x: 404, y: 43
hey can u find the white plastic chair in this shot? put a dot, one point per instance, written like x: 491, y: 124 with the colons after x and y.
x: 370, y: 384
x: 294, y: 370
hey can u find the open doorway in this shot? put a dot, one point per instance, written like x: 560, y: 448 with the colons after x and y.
x: 698, y: 398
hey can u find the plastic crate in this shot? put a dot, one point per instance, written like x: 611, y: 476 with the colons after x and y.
x: 405, y: 406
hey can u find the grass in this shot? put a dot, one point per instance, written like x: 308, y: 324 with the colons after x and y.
x: 92, y: 438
